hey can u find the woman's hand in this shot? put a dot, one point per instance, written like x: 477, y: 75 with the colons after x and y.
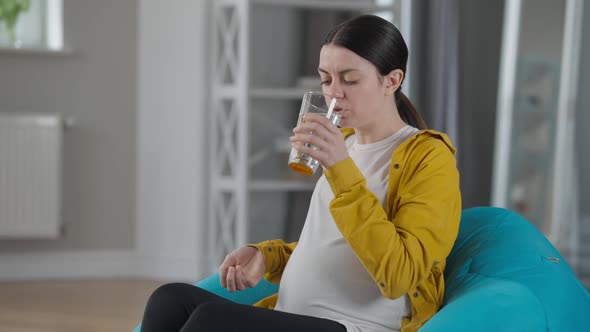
x: 242, y: 268
x: 319, y: 131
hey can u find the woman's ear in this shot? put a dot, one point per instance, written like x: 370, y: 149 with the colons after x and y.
x: 393, y: 80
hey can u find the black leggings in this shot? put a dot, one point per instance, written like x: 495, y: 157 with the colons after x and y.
x: 185, y: 308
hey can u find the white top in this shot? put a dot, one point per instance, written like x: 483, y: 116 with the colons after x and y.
x: 323, y: 277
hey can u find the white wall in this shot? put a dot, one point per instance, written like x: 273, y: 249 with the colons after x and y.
x: 135, y: 168
x: 172, y: 141
x: 97, y: 86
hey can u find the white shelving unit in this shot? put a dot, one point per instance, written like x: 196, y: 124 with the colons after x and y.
x: 278, y: 93
x: 255, y: 52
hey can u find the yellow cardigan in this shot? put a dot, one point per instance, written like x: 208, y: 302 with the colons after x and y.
x: 404, y: 248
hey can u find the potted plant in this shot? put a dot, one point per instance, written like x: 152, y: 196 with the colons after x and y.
x: 9, y: 13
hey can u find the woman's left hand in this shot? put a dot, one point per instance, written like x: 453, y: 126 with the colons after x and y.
x: 319, y: 131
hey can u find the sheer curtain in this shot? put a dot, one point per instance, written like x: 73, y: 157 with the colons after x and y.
x: 441, y: 88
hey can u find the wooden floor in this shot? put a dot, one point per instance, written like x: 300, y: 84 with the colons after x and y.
x: 73, y: 306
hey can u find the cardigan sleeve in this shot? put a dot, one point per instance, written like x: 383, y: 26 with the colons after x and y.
x: 276, y: 254
x: 399, y: 251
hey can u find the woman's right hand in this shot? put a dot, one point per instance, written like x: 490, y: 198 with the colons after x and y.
x: 242, y: 268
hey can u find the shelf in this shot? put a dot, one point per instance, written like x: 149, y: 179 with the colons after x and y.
x: 277, y: 185
x: 227, y: 184
x: 366, y: 6
x: 278, y: 93
x: 35, y: 51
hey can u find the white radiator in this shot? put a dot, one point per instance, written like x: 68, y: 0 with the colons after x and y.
x: 30, y: 175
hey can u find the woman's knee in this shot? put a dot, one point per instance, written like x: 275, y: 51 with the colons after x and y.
x: 169, y: 295
x: 211, y: 314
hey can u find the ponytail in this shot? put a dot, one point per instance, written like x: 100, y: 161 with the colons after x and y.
x: 408, y: 112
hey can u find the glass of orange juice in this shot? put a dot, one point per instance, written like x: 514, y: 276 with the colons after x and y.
x: 313, y: 102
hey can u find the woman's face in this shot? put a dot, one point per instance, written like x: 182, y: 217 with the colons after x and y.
x: 362, y: 96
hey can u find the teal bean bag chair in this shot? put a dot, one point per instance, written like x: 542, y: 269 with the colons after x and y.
x: 502, y: 275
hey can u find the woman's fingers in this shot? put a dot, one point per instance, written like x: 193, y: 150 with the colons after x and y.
x: 315, y: 134
x: 321, y: 133
x: 320, y: 143
x: 235, y: 279
x: 313, y: 146
x: 231, y: 279
x: 227, y: 262
x: 316, y: 122
x: 314, y: 153
x: 328, y: 124
x: 240, y: 278
x: 318, y: 132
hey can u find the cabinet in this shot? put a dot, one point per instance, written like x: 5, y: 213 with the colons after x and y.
x: 264, y: 57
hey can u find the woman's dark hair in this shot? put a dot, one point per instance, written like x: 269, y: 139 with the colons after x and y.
x: 379, y: 42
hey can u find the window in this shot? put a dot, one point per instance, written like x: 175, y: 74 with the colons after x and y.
x: 41, y: 26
